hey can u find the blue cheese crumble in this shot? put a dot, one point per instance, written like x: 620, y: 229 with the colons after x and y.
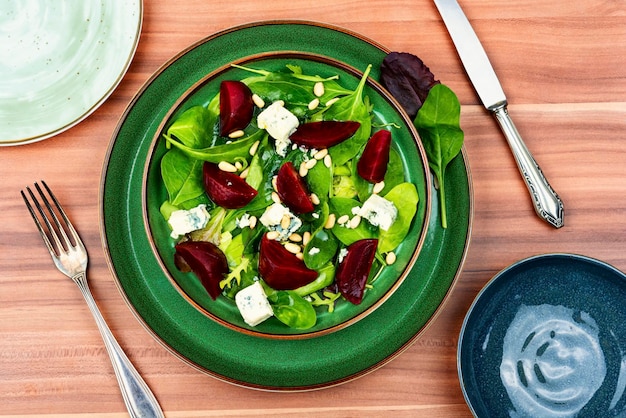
x: 185, y: 221
x: 253, y: 304
x: 378, y: 211
x: 272, y: 219
x: 279, y: 122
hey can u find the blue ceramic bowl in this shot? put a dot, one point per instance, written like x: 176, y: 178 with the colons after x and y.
x: 547, y: 337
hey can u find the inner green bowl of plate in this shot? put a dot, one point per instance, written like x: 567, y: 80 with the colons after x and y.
x: 406, y: 142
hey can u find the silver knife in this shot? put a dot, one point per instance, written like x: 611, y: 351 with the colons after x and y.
x: 547, y: 203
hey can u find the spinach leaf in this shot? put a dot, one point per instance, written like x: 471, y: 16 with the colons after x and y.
x: 182, y: 176
x: 226, y: 152
x: 194, y: 127
x: 405, y: 198
x: 325, y: 278
x: 320, y: 180
x: 438, y: 123
x: 292, y: 310
x: 320, y: 249
x: 323, y: 245
x: 293, y: 94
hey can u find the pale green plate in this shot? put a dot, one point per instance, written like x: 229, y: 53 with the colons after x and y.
x: 59, y: 61
x: 199, y: 340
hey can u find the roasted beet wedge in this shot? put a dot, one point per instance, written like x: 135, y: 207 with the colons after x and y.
x: 206, y: 260
x: 324, y: 134
x: 281, y: 269
x: 236, y: 106
x: 372, y: 165
x: 292, y: 190
x: 354, y: 269
x: 226, y: 189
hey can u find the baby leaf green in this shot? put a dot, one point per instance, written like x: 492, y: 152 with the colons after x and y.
x: 405, y: 198
x: 438, y: 123
x: 182, y: 176
x: 194, y: 127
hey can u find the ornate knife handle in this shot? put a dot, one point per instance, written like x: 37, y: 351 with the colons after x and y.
x: 547, y: 203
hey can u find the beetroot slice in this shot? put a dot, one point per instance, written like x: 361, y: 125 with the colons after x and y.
x: 226, y: 189
x: 324, y: 134
x: 292, y: 190
x: 206, y: 261
x: 372, y: 164
x: 281, y: 269
x: 236, y: 106
x: 354, y: 269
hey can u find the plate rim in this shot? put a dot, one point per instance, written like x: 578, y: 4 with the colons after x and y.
x: 454, y: 275
x: 97, y: 103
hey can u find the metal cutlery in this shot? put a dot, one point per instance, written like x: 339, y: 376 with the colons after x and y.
x: 70, y: 257
x: 547, y: 203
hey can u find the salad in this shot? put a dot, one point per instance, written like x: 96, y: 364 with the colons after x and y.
x: 285, y: 195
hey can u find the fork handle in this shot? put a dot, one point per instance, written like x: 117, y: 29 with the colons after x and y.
x: 138, y: 398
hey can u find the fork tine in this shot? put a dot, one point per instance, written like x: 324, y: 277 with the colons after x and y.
x: 40, y: 227
x: 68, y: 225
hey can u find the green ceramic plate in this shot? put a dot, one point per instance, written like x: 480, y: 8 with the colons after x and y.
x: 199, y: 340
x: 405, y: 142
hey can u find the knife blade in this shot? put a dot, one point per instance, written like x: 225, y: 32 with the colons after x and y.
x: 546, y: 202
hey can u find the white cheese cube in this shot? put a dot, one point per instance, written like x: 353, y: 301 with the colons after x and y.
x: 253, y: 304
x: 279, y: 123
x: 272, y: 219
x: 184, y: 221
x: 378, y: 211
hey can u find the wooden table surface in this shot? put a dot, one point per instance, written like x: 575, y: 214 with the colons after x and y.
x: 563, y: 67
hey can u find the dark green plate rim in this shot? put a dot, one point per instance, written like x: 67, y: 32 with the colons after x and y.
x: 246, y: 360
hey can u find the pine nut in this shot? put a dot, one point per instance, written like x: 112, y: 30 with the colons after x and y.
x: 330, y: 222
x: 390, y: 258
x: 354, y: 222
x: 285, y: 222
x: 343, y: 219
x: 309, y: 164
x: 328, y: 161
x: 254, y: 148
x: 274, y: 183
x: 236, y: 134
x: 319, y: 155
x: 293, y: 248
x: 300, y: 256
x: 275, y: 197
x: 303, y: 171
x: 313, y: 104
x: 318, y: 89
x: 306, y: 237
x: 273, y: 235
x: 258, y: 101
x: 238, y: 165
x: 244, y: 173
x: 226, y: 166
x: 378, y: 187
x: 252, y: 222
x: 314, y: 199
x: 332, y: 101
x: 295, y: 237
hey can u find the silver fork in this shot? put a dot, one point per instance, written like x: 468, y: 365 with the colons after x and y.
x: 70, y: 257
